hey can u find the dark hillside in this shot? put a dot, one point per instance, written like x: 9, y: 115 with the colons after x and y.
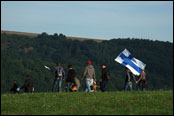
x: 21, y: 55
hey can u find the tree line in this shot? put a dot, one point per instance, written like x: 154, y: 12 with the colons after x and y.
x: 22, y: 55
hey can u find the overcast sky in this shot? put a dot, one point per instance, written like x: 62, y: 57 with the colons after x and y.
x: 91, y: 19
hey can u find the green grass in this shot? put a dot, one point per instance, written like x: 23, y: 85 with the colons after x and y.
x: 81, y: 103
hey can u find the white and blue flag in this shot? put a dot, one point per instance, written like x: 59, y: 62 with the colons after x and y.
x: 126, y: 59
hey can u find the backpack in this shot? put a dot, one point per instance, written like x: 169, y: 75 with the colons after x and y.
x: 59, y: 72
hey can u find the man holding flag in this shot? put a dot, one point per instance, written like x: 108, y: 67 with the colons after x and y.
x: 128, y: 81
x: 133, y: 65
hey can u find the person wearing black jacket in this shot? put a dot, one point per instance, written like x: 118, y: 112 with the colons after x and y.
x: 104, y: 77
x: 15, y: 87
x: 28, y: 85
x: 70, y: 81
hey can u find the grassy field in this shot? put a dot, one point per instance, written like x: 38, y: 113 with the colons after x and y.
x: 81, y: 103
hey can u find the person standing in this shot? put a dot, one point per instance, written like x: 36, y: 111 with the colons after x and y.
x: 129, y: 77
x: 142, y: 81
x: 28, y: 85
x: 89, y: 74
x: 59, y: 76
x: 105, y: 76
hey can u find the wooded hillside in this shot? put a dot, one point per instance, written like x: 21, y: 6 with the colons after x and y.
x: 22, y: 55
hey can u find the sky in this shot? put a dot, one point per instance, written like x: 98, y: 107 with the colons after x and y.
x: 91, y: 19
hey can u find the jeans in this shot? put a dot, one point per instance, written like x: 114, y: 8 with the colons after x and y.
x: 88, y: 83
x: 69, y: 86
x: 102, y: 85
x: 59, y: 82
x: 140, y: 86
x: 128, y: 85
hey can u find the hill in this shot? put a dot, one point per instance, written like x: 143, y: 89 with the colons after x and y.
x: 36, y: 34
x: 108, y: 103
x: 22, y: 55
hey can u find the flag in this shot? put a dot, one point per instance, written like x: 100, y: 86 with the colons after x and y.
x: 126, y: 59
x: 47, y: 67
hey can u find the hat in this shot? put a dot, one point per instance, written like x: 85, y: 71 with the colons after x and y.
x: 89, y: 62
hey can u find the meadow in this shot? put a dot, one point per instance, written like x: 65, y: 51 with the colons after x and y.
x: 81, y: 103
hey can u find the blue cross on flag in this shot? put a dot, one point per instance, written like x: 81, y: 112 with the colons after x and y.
x: 126, y: 59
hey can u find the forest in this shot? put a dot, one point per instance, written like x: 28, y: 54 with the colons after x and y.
x: 24, y: 55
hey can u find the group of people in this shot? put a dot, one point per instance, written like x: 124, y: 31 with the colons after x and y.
x: 141, y: 82
x: 73, y: 83
x: 28, y: 86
